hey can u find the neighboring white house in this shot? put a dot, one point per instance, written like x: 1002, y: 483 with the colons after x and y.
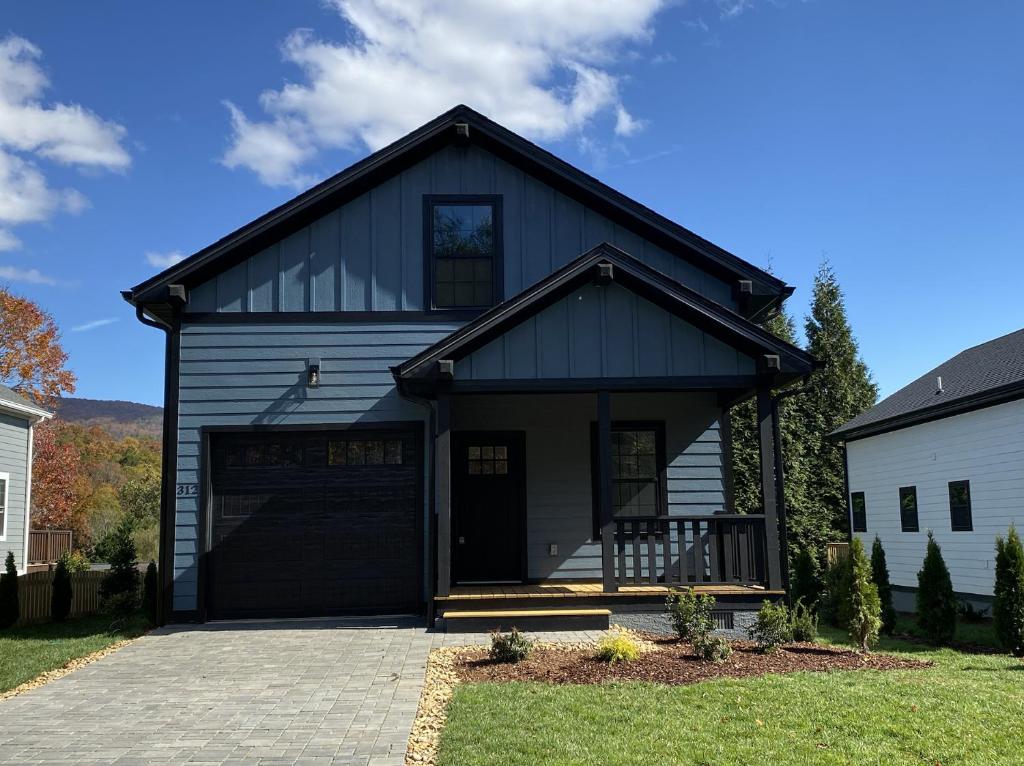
x: 946, y: 454
x: 18, y: 417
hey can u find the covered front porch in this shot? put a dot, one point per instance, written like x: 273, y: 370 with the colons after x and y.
x: 581, y: 450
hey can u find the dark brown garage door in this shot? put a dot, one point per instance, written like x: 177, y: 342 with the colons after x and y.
x: 314, y: 523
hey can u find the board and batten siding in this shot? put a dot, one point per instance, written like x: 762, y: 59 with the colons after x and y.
x: 985, y: 447
x: 368, y: 255
x: 558, y: 482
x: 603, y: 332
x: 255, y: 375
x: 14, y: 434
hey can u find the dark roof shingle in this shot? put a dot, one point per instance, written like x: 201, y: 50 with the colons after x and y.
x: 988, y: 367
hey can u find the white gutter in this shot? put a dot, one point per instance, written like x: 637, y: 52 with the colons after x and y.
x: 28, y: 495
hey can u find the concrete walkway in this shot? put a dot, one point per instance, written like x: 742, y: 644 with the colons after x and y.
x: 297, y: 692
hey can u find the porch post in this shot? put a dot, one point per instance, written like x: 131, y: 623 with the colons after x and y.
x: 769, y: 496
x: 443, y: 494
x: 604, y: 496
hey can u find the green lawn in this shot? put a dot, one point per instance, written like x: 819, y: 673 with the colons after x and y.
x: 26, y: 652
x: 967, y: 709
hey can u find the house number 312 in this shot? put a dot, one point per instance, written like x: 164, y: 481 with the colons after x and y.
x: 187, y: 490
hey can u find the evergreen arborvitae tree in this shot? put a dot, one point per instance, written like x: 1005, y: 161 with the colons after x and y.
x: 936, y: 603
x: 880, y: 574
x: 149, y: 593
x: 841, y: 389
x: 861, y: 615
x: 806, y: 584
x: 120, y: 586
x: 1008, y: 607
x: 10, y: 607
x: 60, y: 591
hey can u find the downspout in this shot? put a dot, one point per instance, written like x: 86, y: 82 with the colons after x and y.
x: 780, y: 475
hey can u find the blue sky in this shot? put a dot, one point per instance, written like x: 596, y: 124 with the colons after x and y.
x: 885, y: 136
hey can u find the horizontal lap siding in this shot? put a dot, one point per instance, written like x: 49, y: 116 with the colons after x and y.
x: 13, y: 455
x: 368, y: 254
x: 255, y: 374
x: 603, y: 332
x: 558, y: 481
x: 985, y: 447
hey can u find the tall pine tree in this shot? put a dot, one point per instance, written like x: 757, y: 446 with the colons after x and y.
x: 841, y: 389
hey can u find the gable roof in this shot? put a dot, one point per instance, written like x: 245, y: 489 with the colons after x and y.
x: 981, y: 376
x: 13, y: 402
x: 627, y: 272
x: 425, y: 140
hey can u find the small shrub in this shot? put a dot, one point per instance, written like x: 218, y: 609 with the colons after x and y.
x: 880, y: 576
x: 60, y: 590
x: 77, y: 562
x: 510, y: 647
x: 806, y: 581
x: 690, y: 614
x: 712, y: 648
x: 803, y: 623
x: 10, y: 607
x: 119, y: 590
x: 1008, y: 606
x: 862, y: 613
x: 771, y: 627
x: 936, y: 604
x: 617, y: 646
x: 149, y: 593
x: 837, y: 592
x: 968, y: 612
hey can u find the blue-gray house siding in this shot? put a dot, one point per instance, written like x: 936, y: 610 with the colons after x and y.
x: 368, y: 254
x: 14, y: 436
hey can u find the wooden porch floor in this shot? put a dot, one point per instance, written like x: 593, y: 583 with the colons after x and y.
x: 555, y: 590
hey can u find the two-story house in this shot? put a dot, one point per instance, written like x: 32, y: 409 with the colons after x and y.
x: 462, y: 378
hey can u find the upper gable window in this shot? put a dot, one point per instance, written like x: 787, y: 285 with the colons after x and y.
x: 463, y: 240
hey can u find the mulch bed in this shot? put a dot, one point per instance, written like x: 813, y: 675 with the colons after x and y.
x: 671, y: 663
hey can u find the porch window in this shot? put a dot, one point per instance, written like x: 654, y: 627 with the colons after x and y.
x: 487, y: 460
x: 638, y: 471
x: 908, y: 509
x: 464, y: 243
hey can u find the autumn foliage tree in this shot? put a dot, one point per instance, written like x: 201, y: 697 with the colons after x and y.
x: 32, y: 360
x: 55, y: 479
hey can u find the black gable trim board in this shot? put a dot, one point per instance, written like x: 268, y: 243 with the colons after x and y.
x: 606, y: 263
x: 765, y: 290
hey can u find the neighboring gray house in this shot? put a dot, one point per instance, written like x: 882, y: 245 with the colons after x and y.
x: 946, y: 454
x: 462, y: 372
x: 18, y: 417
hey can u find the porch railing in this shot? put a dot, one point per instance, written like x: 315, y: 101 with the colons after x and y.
x: 690, y: 550
x: 46, y: 545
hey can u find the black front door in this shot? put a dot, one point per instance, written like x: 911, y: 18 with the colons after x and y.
x: 489, y: 506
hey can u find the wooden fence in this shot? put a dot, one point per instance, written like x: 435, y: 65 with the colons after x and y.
x: 837, y: 552
x: 45, y: 546
x: 35, y: 589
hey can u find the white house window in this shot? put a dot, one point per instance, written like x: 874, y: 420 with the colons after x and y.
x: 859, y: 511
x: 908, y: 509
x: 960, y: 506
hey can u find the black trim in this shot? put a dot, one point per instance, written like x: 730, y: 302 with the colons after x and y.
x: 312, y: 317
x: 439, y: 132
x: 966, y: 521
x: 629, y: 273
x: 1001, y: 395
x: 905, y: 524
x: 585, y: 385
x: 858, y: 520
x: 169, y: 473
x: 497, y: 259
x: 205, y: 520
x: 658, y: 426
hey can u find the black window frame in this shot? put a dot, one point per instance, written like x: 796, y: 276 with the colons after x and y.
x: 661, y: 466
x: 904, y: 526
x: 953, y: 525
x: 497, y: 262
x: 863, y: 527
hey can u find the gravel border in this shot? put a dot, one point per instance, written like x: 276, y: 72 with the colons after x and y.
x: 69, y: 667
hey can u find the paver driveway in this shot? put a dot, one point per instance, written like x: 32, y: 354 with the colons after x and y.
x: 338, y: 691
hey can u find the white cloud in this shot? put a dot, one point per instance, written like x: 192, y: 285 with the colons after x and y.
x: 541, y: 67
x: 164, y: 260
x: 730, y: 9
x: 93, y: 325
x: 30, y: 132
x: 32, y: 276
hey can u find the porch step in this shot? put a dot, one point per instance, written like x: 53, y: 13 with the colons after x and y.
x: 535, y: 620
